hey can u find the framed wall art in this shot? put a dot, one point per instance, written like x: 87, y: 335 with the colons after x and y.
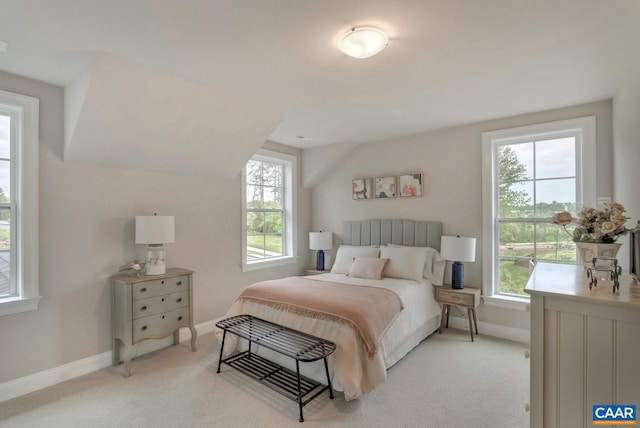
x: 361, y: 189
x: 385, y: 187
x: 410, y: 185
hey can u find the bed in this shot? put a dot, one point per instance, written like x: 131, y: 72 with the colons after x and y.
x: 409, y: 251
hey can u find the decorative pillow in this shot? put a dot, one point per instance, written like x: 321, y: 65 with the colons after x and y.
x: 346, y: 254
x: 404, y: 262
x: 368, y: 267
x: 434, y: 265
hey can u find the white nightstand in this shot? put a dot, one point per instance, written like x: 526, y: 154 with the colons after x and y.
x: 466, y: 297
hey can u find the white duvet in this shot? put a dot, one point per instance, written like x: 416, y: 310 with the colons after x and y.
x: 352, y: 371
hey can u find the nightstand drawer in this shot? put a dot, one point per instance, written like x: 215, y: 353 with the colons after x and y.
x: 156, y: 305
x: 146, y: 289
x: 161, y: 325
x: 454, y: 298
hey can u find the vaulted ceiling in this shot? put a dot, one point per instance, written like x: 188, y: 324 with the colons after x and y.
x: 207, y: 82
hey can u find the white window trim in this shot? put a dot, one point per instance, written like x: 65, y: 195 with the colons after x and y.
x: 26, y: 188
x: 291, y: 192
x: 584, y: 129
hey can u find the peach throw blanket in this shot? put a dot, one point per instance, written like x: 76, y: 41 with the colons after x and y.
x: 368, y: 311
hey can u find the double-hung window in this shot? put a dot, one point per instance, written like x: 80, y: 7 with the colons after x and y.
x: 530, y: 174
x: 269, y: 188
x: 19, y: 141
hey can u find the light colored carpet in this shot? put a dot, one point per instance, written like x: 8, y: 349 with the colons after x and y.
x: 446, y: 381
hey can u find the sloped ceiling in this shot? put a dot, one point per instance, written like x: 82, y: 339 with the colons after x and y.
x: 270, y: 69
x: 127, y: 115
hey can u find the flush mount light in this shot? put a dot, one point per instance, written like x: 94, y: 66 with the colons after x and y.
x: 363, y: 42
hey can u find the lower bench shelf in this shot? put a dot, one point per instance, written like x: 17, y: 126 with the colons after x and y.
x: 300, y: 346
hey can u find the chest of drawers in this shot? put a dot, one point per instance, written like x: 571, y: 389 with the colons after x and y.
x: 151, y: 307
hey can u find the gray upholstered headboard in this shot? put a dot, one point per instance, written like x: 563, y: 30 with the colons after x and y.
x: 401, y: 232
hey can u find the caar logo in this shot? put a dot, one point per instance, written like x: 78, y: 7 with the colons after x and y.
x: 604, y: 414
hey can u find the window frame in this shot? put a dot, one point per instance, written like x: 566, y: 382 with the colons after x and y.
x: 24, y: 228
x: 584, y: 130
x: 290, y: 211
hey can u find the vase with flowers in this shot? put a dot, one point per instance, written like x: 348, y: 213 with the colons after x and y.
x: 596, y: 231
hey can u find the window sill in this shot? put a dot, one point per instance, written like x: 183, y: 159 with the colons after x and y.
x: 509, y: 302
x: 269, y: 263
x: 15, y: 305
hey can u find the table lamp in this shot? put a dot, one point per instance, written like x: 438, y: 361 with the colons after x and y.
x: 320, y: 241
x: 155, y: 231
x: 458, y: 250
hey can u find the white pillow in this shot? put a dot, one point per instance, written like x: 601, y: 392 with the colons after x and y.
x: 346, y: 254
x: 368, y: 267
x: 404, y: 262
x: 434, y: 265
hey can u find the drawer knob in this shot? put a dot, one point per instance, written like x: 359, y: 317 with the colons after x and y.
x: 163, y: 299
x: 161, y: 282
x: 144, y: 327
x: 179, y: 283
x: 144, y: 308
x: 179, y: 300
x: 143, y: 290
x: 180, y: 318
x: 163, y: 317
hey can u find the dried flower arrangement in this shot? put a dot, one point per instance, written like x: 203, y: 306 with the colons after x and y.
x: 592, y: 225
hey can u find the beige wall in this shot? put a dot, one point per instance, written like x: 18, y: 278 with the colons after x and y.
x: 450, y: 161
x: 87, y: 232
x: 86, y: 224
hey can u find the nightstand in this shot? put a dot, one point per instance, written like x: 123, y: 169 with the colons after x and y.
x: 315, y: 271
x: 150, y: 307
x: 466, y: 297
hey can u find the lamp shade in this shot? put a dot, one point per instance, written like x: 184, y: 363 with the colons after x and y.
x: 155, y: 229
x: 320, y: 240
x: 458, y: 248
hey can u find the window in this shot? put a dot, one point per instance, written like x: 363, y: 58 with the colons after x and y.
x: 533, y: 172
x: 269, y: 210
x: 19, y: 289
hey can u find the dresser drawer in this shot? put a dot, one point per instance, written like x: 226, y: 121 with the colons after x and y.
x: 454, y: 298
x: 160, y: 325
x: 156, y: 305
x: 143, y: 290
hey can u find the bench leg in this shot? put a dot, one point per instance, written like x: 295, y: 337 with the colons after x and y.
x: 326, y: 369
x: 224, y: 336
x: 299, y: 390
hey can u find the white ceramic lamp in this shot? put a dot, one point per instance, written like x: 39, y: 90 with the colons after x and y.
x: 155, y: 231
x: 458, y: 249
x: 320, y: 241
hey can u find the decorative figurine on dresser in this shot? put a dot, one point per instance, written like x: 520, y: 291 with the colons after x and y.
x: 150, y: 307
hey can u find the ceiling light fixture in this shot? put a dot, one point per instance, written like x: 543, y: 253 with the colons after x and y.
x: 363, y: 42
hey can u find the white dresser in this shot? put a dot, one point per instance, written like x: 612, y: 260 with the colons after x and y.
x: 151, y: 307
x: 585, y: 345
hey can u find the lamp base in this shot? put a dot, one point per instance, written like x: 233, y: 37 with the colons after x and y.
x: 156, y: 264
x: 320, y: 260
x: 457, y: 276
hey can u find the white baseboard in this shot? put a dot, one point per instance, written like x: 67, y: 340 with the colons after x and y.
x: 24, y: 385
x: 495, y: 330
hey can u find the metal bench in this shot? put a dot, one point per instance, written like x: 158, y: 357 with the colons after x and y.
x: 300, y: 346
